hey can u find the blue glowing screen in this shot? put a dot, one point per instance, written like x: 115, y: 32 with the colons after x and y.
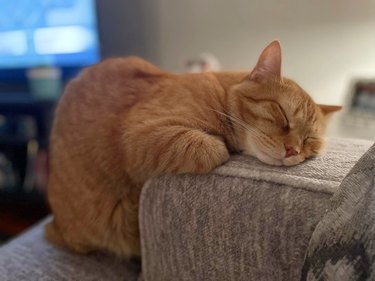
x: 48, y: 32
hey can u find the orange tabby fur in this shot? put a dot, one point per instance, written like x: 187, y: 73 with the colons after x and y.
x: 124, y: 121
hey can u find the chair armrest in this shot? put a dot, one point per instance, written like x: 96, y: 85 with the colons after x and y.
x: 244, y: 221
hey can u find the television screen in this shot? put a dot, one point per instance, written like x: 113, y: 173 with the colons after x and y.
x: 48, y: 32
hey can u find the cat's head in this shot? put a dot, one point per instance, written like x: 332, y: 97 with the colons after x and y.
x: 280, y: 123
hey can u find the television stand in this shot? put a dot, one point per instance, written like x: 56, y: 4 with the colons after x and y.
x: 24, y: 131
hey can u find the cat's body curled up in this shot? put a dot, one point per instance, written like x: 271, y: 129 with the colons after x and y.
x: 124, y: 121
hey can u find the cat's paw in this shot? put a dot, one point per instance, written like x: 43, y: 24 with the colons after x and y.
x: 202, y: 153
x: 211, y: 153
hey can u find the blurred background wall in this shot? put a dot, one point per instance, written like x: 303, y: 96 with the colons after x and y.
x: 325, y: 43
x: 129, y: 27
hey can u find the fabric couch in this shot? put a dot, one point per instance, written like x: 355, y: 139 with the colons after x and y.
x: 243, y: 221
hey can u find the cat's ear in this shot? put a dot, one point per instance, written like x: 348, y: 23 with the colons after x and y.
x: 269, y: 64
x: 327, y: 110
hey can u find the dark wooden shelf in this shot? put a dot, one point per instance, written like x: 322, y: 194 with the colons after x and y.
x: 20, y: 208
x: 22, y: 99
x: 17, y: 194
x: 14, y: 140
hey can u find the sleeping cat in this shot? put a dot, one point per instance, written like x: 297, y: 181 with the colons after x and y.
x: 124, y: 121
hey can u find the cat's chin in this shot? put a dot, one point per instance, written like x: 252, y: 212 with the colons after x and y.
x: 267, y: 159
x: 294, y: 160
x: 264, y: 157
x: 291, y: 161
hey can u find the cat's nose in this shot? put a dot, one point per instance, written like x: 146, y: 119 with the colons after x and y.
x: 290, y: 151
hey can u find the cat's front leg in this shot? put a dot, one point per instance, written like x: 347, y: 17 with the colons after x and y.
x: 172, y: 149
x: 195, y: 152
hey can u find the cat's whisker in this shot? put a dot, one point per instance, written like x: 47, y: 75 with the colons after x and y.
x: 257, y: 134
x: 236, y: 120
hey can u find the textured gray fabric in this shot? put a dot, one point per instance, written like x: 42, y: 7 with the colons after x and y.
x: 321, y: 173
x: 222, y: 228
x: 342, y: 246
x: 30, y: 258
x: 244, y: 221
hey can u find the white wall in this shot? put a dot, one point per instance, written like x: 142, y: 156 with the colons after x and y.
x: 325, y: 42
x: 129, y: 27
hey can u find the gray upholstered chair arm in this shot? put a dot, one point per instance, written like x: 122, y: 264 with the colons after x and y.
x: 244, y: 221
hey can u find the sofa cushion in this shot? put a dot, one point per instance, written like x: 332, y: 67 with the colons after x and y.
x: 31, y: 258
x: 244, y: 221
x: 342, y: 246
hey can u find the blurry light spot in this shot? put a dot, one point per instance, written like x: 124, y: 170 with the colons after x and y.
x: 63, y: 40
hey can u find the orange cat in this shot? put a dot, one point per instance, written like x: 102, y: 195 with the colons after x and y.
x: 125, y: 121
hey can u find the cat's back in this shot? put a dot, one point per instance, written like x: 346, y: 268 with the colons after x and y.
x: 117, y: 83
x: 91, y: 110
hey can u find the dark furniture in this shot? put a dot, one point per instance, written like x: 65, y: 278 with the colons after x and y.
x: 24, y: 129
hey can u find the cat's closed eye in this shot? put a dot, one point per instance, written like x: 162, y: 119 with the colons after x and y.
x: 286, y: 124
x: 311, y: 139
x: 279, y: 118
